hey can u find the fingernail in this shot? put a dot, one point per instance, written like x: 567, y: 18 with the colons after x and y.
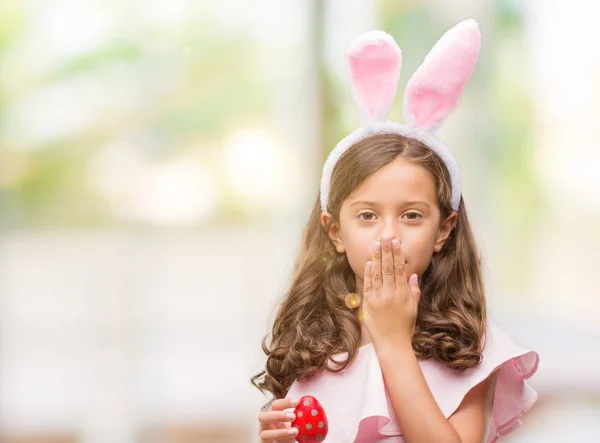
x: 293, y: 431
x: 395, y: 244
x: 414, y: 279
x: 294, y: 402
x: 377, y: 246
x: 385, y: 240
x: 291, y: 416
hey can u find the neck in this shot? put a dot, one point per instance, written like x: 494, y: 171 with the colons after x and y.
x: 365, y: 339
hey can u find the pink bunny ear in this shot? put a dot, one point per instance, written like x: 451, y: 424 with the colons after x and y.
x: 375, y: 61
x: 435, y: 88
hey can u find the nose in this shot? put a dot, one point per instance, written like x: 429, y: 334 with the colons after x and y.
x: 389, y: 229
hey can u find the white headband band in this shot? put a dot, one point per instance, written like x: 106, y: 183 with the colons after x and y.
x: 434, y: 90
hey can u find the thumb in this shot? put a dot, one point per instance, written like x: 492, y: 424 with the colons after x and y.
x: 414, y: 287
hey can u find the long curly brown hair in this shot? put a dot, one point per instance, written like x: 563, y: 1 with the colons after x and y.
x: 313, y: 322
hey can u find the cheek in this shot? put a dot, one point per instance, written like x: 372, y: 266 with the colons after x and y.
x: 418, y: 253
x: 359, y: 252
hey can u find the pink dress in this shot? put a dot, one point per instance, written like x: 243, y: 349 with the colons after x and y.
x: 358, y: 406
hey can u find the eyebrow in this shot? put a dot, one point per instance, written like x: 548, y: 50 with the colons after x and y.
x: 369, y: 203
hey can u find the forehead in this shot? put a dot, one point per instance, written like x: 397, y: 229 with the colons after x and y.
x: 398, y: 181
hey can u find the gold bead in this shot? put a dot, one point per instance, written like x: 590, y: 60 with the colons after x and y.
x: 352, y: 300
x: 361, y: 316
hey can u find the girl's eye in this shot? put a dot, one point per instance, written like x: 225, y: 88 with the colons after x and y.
x: 371, y: 216
x: 415, y: 214
x: 366, y: 213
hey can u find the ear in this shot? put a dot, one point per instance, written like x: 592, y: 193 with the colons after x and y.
x: 444, y: 231
x: 333, y: 231
x: 435, y: 88
x: 375, y: 61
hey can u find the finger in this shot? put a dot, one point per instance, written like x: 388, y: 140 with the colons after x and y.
x: 399, y: 262
x: 367, y: 281
x: 376, y: 269
x: 387, y: 266
x: 414, y: 287
x: 266, y: 417
x: 278, y: 434
x: 284, y: 403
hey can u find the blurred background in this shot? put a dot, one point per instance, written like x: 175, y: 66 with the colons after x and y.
x: 158, y: 162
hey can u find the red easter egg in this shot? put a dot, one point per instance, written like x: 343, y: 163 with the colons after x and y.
x: 311, y: 421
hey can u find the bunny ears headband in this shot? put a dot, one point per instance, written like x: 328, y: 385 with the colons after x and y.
x: 431, y: 94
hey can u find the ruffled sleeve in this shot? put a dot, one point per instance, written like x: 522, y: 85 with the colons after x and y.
x: 358, y: 406
x: 513, y: 396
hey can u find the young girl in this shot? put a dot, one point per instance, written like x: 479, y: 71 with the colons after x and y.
x: 385, y: 322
